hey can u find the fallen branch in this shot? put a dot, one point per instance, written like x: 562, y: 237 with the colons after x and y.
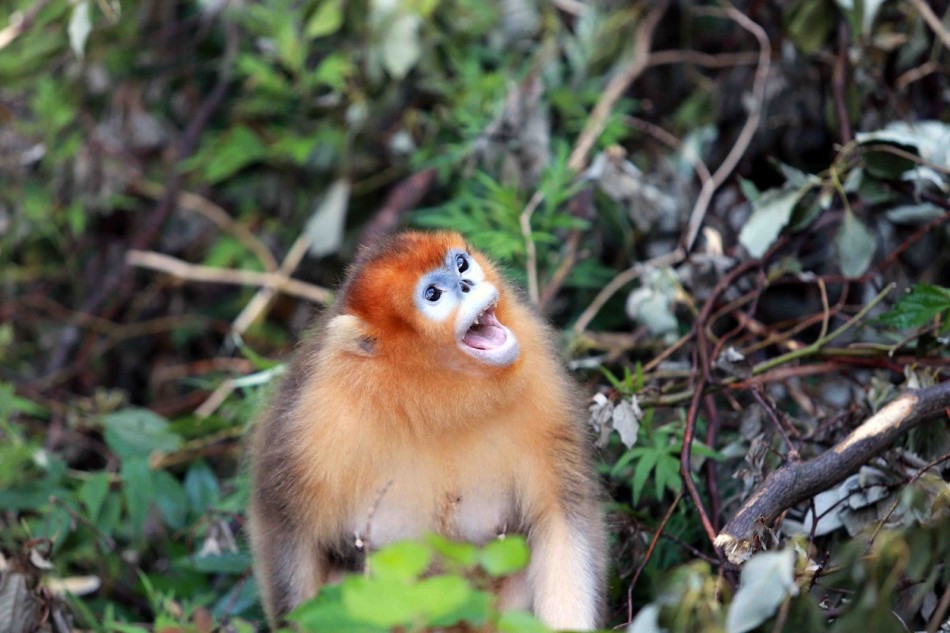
x: 796, y: 481
x: 193, y: 272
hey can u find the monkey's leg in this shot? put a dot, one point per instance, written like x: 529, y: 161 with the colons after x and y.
x: 566, y: 570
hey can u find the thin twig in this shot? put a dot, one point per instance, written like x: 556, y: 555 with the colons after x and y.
x: 838, y: 84
x: 886, y: 517
x: 595, y: 124
x: 193, y: 272
x: 932, y: 21
x: 195, y: 203
x: 597, y: 120
x: 621, y: 280
x: 748, y: 129
x: 707, y: 60
x: 649, y: 554
x: 531, y: 265
x: 819, y: 342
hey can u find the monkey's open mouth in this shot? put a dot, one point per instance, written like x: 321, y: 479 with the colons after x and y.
x: 488, y: 341
x: 486, y: 332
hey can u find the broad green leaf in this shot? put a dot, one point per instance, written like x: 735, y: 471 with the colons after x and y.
x: 380, y: 602
x: 171, y: 499
x: 438, y: 596
x: 505, y: 556
x: 520, y: 622
x: 767, y: 580
x: 918, y: 307
x: 856, y: 245
x: 809, y: 24
x: 401, y: 561
x: 475, y: 610
x: 133, y: 433
x: 326, y: 20
x: 202, y: 488
x: 137, y: 489
x: 642, y: 472
x: 464, y: 554
x: 234, y: 151
x: 93, y: 493
x: 327, y: 612
x: 770, y: 213
x: 234, y: 563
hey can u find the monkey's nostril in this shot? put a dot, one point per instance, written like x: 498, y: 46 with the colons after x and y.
x: 466, y: 285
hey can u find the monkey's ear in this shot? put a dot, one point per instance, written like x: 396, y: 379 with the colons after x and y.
x: 348, y: 333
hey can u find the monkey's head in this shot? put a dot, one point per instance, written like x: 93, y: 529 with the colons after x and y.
x: 430, y: 294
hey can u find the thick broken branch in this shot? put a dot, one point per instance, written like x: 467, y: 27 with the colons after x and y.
x: 796, y: 481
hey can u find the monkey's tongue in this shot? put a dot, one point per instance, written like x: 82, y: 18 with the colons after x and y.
x: 487, y: 334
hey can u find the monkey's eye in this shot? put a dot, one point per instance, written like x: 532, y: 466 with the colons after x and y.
x: 461, y: 263
x: 432, y: 294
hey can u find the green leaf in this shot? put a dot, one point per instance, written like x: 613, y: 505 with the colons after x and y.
x: 380, y: 602
x: 134, y: 433
x: 464, y: 554
x: 439, y: 596
x: 856, y: 245
x: 326, y: 612
x: 93, y: 493
x: 400, y: 561
x: 229, y: 154
x: 171, y: 499
x: 809, y: 24
x: 234, y: 563
x: 326, y: 20
x: 642, y: 472
x: 520, y: 622
x: 475, y: 610
x: 918, y: 307
x: 137, y: 489
x: 202, y: 488
x: 505, y: 556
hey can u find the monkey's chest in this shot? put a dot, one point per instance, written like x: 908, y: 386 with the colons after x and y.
x: 474, y: 507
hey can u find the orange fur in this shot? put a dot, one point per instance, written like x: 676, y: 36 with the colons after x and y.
x: 384, y: 429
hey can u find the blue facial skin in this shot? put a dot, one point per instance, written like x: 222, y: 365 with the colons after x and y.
x: 449, y: 284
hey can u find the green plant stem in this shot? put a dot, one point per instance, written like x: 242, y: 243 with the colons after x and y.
x: 816, y: 345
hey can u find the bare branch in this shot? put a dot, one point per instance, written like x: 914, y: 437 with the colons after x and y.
x: 192, y: 272
x: 748, y: 129
x: 796, y: 481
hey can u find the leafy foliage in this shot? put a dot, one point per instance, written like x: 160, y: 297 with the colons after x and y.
x: 395, y: 593
x: 243, y: 135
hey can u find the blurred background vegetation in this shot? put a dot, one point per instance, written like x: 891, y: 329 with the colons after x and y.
x: 182, y: 181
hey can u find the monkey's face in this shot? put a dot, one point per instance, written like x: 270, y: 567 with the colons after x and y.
x: 427, y: 295
x: 458, y: 297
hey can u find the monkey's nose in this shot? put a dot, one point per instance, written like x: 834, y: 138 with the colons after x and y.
x: 466, y: 285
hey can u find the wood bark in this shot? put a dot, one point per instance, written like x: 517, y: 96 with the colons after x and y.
x: 796, y: 481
